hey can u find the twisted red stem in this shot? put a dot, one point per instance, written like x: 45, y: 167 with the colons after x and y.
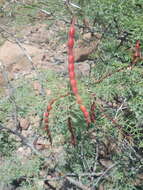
x: 72, y: 78
x: 47, y: 113
x: 135, y: 58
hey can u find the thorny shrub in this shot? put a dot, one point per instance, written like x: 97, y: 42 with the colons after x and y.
x: 111, y: 129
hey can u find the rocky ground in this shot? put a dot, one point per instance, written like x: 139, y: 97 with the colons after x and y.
x: 32, y: 48
x: 35, y: 48
x: 42, y: 47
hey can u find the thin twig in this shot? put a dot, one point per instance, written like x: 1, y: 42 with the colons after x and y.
x: 82, y: 157
x: 119, y: 109
x: 77, y: 183
x: 11, y: 96
x: 49, y: 185
x: 72, y: 4
x: 103, y: 174
x: 96, y: 158
x: 127, y: 145
x: 23, y: 139
x: 27, y: 55
x: 46, y: 12
x: 92, y: 174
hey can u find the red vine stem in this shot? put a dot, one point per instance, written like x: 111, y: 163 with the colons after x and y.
x: 109, y: 118
x: 116, y: 124
x: 72, y: 78
x: 136, y: 57
x: 113, y: 121
x: 137, y: 53
x: 110, y: 74
x: 47, y: 113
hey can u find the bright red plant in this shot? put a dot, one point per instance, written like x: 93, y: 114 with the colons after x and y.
x: 137, y: 53
x: 47, y: 113
x: 72, y: 78
x: 135, y: 58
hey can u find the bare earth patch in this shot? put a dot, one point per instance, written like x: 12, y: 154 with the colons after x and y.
x: 42, y: 45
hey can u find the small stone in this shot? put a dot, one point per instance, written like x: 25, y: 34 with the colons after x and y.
x: 22, y: 151
x: 24, y: 123
x: 106, y: 163
x: 101, y: 187
x: 48, y: 92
